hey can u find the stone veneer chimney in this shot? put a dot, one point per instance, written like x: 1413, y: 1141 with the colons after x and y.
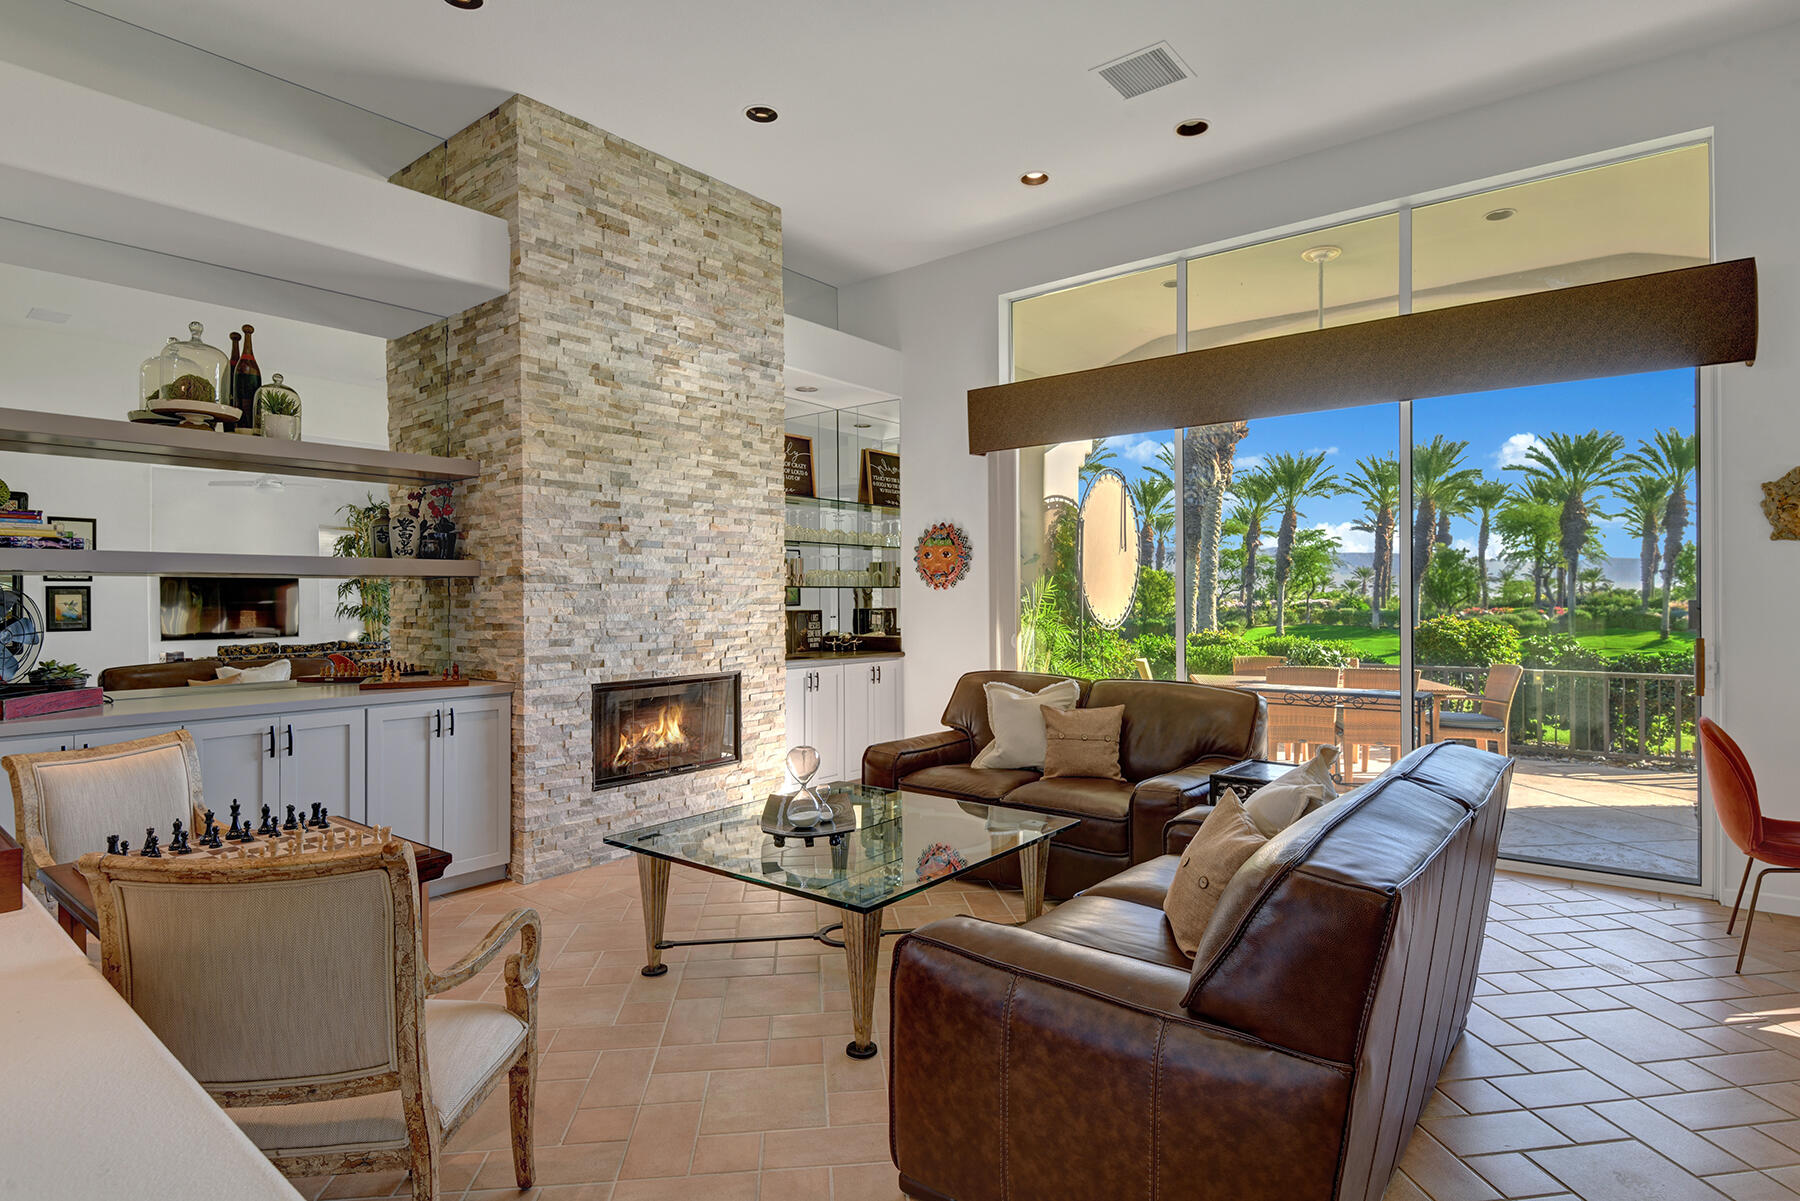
x: 625, y: 402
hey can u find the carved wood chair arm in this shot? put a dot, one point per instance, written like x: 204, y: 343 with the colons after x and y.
x: 523, y: 922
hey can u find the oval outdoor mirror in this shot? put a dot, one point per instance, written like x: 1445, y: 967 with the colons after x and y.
x: 1109, y: 549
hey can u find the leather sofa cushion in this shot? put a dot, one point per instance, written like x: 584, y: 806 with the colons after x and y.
x: 1104, y: 807
x: 1169, y: 725
x: 1118, y: 927
x: 1145, y: 883
x: 967, y: 709
x: 959, y: 779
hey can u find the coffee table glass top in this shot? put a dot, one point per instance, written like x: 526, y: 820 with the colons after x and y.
x: 901, y: 843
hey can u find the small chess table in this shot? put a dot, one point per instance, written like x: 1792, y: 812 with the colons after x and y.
x: 65, y: 885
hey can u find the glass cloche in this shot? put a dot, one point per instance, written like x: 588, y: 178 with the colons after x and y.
x: 211, y: 365
x: 160, y: 371
x: 278, y: 409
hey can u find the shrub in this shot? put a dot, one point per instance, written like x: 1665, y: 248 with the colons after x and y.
x: 1306, y: 652
x: 1558, y: 650
x: 1210, y: 652
x: 1159, y: 649
x: 1464, y: 642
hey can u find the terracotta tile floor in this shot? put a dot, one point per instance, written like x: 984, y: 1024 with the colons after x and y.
x: 1611, y: 1054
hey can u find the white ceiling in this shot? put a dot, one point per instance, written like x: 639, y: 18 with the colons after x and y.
x: 904, y: 127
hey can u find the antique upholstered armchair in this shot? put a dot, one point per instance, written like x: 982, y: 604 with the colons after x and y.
x: 295, y: 990
x: 65, y: 803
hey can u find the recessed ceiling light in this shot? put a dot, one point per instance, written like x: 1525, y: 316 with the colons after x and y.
x: 1499, y: 214
x: 465, y: 4
x: 1193, y: 127
x: 860, y: 425
x: 50, y: 315
x: 1034, y: 179
x: 762, y: 114
x: 1321, y: 254
x: 1168, y: 283
x: 804, y: 388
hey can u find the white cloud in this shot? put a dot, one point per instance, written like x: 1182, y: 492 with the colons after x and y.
x: 1349, y: 539
x: 1245, y: 463
x: 1323, y: 450
x: 1512, y: 452
x: 1467, y: 544
x: 1144, y: 450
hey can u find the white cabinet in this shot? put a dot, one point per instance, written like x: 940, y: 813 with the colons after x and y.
x: 239, y: 762
x: 441, y: 773
x: 840, y: 709
x: 322, y: 759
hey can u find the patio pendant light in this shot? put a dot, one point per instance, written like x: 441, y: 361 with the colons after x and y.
x: 1319, y: 256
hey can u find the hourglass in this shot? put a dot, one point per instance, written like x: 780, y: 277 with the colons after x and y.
x: 805, y: 809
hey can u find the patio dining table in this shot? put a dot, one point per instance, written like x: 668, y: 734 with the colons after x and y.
x: 1428, y: 697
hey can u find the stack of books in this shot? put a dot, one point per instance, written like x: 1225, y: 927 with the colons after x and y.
x: 22, y: 529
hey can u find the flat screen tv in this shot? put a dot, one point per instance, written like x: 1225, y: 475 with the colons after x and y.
x: 201, y: 607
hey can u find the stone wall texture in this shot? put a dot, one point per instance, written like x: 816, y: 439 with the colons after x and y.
x: 625, y: 403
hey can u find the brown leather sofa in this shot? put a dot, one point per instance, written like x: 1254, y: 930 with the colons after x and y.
x: 1084, y: 1056
x: 1175, y: 736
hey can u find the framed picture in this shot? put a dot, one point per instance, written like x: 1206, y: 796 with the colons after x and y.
x: 879, y: 481
x: 793, y: 596
x: 85, y: 528
x: 805, y: 630
x: 797, y: 466
x: 876, y: 621
x: 68, y: 609
x: 18, y: 500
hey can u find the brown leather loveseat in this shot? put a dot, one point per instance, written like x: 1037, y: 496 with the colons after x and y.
x: 1175, y: 736
x: 1083, y: 1056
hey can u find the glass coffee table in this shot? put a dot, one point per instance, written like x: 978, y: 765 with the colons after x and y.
x: 891, y: 845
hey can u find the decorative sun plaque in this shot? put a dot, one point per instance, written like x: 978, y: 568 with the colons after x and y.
x: 1781, y: 505
x: 942, y: 555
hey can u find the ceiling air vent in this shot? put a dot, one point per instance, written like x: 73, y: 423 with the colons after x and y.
x: 1144, y: 70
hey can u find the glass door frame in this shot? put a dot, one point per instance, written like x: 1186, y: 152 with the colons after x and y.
x: 1003, y: 470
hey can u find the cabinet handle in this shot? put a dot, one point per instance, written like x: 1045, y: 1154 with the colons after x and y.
x: 453, y: 722
x: 439, y: 731
x: 878, y: 674
x: 271, y: 742
x: 290, y: 740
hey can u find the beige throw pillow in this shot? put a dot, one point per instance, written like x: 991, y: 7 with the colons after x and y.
x: 1226, y: 839
x: 1285, y: 799
x: 1083, y: 742
x: 1017, y: 719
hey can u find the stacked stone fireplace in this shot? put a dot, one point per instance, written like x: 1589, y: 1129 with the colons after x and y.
x: 625, y: 403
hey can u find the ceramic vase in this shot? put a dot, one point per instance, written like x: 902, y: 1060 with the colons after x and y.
x: 404, y: 527
x: 379, y: 537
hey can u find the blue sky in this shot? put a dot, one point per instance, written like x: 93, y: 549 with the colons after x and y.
x: 1497, y: 425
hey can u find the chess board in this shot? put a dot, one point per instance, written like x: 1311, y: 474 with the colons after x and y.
x: 338, y: 834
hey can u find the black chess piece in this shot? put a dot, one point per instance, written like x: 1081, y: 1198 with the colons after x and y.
x: 124, y: 846
x: 312, y: 822
x: 178, y: 839
x: 152, y: 848
x: 292, y: 822
x: 324, y: 818
x: 268, y: 822
x: 234, y: 814
x: 210, y: 836
x: 112, y: 844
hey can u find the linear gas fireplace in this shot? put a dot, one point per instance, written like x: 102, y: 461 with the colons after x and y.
x: 664, y: 727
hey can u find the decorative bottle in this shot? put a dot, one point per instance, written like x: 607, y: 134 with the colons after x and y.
x: 245, y: 384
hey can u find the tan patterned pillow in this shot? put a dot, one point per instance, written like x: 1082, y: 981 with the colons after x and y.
x: 1226, y: 839
x: 1083, y: 742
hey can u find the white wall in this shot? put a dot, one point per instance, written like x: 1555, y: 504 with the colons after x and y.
x: 89, y: 366
x: 945, y: 316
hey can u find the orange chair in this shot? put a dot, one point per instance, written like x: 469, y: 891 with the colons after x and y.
x: 1766, y: 839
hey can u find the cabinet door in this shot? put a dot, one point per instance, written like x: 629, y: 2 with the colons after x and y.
x: 799, y: 688
x: 858, y: 684
x: 320, y: 758
x: 884, y: 703
x: 237, y: 763
x: 824, y: 722
x: 406, y: 768
x: 477, y: 810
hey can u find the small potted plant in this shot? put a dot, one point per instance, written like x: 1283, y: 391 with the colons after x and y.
x: 437, y: 525
x: 280, y: 409
x: 59, y: 675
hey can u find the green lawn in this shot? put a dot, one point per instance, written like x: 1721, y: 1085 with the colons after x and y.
x: 1383, y: 646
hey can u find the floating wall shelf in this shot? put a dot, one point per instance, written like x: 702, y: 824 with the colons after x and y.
x: 34, y: 432
x: 158, y: 562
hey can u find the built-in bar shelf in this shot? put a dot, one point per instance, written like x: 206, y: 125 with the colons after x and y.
x: 160, y: 562
x: 35, y: 432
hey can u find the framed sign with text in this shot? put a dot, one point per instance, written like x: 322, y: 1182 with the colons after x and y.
x: 797, y: 474
x: 880, y: 480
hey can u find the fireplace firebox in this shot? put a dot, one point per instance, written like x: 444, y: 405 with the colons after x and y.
x: 644, y: 729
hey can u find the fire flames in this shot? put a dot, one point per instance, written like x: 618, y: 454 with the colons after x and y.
x: 650, y: 737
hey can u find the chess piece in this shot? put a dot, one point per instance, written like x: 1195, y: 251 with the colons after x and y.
x: 178, y: 839
x: 292, y: 822
x: 268, y: 823
x: 112, y: 844
x: 152, y: 848
x: 124, y: 846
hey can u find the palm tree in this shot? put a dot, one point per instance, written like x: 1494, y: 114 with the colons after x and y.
x: 1151, y: 492
x: 1439, y: 479
x: 1484, y: 496
x: 1099, y: 457
x: 1256, y: 496
x: 1364, y: 580
x: 1207, y: 458
x: 1376, y: 482
x: 1569, y: 467
x: 1674, y: 456
x: 1646, y: 498
x: 1293, y: 479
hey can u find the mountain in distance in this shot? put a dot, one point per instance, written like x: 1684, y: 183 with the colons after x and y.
x: 1620, y: 572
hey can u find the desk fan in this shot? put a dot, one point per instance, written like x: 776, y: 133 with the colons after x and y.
x: 21, y: 635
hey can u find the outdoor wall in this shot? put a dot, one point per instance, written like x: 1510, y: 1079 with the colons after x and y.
x: 945, y: 315
x: 624, y: 400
